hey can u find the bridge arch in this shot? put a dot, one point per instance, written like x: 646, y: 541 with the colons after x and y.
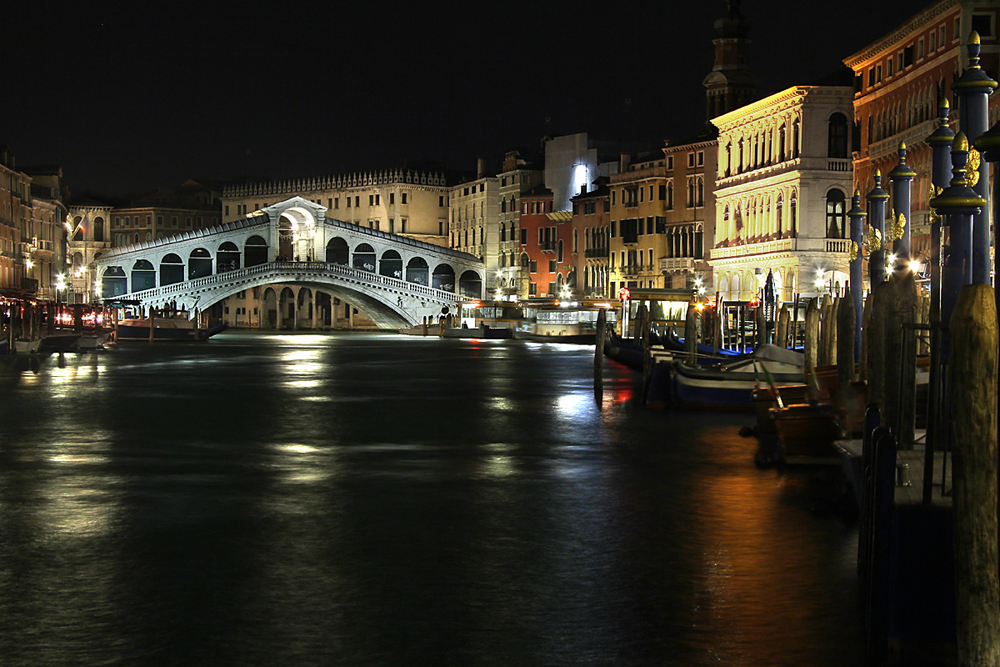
x: 444, y: 278
x: 255, y: 251
x: 227, y: 257
x: 143, y: 275
x: 364, y: 257
x: 417, y: 271
x: 171, y: 269
x: 338, y: 252
x: 391, y: 264
x: 114, y: 282
x: 199, y: 263
x: 471, y: 285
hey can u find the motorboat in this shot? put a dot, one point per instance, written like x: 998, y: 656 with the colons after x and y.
x: 174, y: 328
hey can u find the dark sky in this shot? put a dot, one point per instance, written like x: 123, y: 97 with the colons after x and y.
x: 130, y: 97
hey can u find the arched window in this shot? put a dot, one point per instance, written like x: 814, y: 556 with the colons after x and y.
x: 777, y: 216
x: 781, y: 143
x: 795, y: 139
x: 837, y: 136
x: 835, y: 214
x: 791, y: 215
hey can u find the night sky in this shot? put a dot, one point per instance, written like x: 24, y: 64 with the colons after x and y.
x: 130, y: 98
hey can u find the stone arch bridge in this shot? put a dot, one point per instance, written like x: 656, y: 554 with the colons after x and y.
x: 397, y: 281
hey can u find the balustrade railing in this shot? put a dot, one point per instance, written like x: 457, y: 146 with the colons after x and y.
x: 347, y: 272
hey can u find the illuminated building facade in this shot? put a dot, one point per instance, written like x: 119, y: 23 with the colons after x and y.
x: 45, y: 236
x: 898, y: 82
x: 589, y: 243
x: 539, y: 243
x: 519, y: 176
x: 89, y: 238
x: 474, y: 222
x: 32, y: 235
x: 783, y: 187
x: 661, y: 210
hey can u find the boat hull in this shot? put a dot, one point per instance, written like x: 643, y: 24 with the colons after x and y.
x: 482, y: 332
x: 578, y: 339
x: 808, y: 430
x: 135, y: 332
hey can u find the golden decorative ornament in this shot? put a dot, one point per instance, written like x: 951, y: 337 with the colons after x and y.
x: 873, y: 239
x: 933, y: 214
x: 898, y: 228
x: 972, y: 168
x: 854, y: 251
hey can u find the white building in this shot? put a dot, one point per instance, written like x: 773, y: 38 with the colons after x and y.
x: 782, y: 193
x: 474, y: 225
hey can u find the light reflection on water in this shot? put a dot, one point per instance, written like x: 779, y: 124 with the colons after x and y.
x: 372, y: 499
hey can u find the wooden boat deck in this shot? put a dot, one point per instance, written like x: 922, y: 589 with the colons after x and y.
x: 913, y: 493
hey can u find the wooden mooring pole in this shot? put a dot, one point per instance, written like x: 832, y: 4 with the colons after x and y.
x: 973, y: 330
x: 602, y: 318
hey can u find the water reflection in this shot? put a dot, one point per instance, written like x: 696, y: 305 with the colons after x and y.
x: 371, y: 499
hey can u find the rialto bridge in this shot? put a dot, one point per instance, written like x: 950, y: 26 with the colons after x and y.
x: 395, y: 280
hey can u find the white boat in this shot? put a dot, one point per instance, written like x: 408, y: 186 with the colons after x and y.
x: 27, y: 346
x: 93, y: 341
x: 731, y: 384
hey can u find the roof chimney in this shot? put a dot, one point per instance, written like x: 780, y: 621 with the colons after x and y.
x: 480, y: 168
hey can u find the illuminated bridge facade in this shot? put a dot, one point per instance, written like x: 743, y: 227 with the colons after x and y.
x: 397, y: 281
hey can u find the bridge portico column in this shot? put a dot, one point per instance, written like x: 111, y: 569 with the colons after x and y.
x: 315, y: 305
x: 295, y: 309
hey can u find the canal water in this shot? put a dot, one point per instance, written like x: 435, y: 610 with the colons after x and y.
x: 375, y: 499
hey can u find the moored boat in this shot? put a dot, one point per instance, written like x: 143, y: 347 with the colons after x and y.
x: 808, y: 430
x: 731, y: 385
x: 176, y: 328
x: 27, y: 346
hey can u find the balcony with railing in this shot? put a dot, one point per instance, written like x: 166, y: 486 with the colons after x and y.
x: 672, y: 264
x: 597, y: 253
x: 547, y: 246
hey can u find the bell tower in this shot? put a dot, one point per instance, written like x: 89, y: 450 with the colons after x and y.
x: 730, y: 84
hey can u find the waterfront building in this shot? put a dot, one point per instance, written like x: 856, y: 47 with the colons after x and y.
x: 165, y: 212
x: 539, y: 240
x: 32, y: 233
x: 661, y: 209
x: 520, y: 174
x: 15, y: 211
x: 474, y: 222
x: 89, y: 238
x: 589, y: 255
x: 783, y: 183
x: 45, y: 265
x: 899, y: 79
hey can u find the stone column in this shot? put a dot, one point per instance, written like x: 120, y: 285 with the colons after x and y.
x: 876, y: 250
x: 902, y: 178
x: 857, y: 216
x: 940, y: 141
x: 974, y: 87
x: 957, y: 205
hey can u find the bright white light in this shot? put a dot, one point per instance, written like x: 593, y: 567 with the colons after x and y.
x: 820, y: 272
x: 580, y: 178
x: 28, y: 263
x: 819, y: 283
x: 892, y: 258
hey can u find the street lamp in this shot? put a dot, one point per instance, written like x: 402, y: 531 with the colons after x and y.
x: 60, y: 284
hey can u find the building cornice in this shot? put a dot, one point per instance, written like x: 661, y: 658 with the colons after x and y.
x: 336, y: 182
x: 900, y: 34
x: 795, y: 96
